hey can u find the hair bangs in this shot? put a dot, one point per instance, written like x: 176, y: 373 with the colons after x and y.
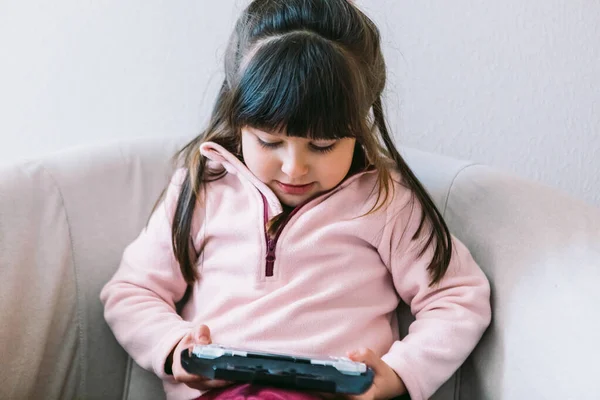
x: 299, y: 84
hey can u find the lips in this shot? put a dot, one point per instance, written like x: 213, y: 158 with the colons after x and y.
x: 295, y: 189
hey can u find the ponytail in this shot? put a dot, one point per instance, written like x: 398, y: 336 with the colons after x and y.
x: 440, y: 233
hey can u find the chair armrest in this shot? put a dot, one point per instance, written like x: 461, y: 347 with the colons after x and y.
x: 540, y: 249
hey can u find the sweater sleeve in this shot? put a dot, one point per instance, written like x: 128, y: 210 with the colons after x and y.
x: 139, y: 300
x: 450, y: 316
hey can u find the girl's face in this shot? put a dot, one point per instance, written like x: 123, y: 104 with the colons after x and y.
x: 296, y: 169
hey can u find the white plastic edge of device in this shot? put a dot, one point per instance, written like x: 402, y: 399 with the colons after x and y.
x: 344, y: 365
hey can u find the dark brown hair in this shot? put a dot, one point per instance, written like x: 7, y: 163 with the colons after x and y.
x: 310, y: 68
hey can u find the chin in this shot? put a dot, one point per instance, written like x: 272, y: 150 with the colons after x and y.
x: 292, y: 201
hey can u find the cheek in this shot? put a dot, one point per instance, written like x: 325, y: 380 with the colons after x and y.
x: 336, y: 168
x: 258, y: 160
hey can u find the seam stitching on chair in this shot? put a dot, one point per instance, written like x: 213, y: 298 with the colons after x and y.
x: 452, y: 184
x: 457, y: 380
x: 78, y: 292
x: 127, y: 385
x: 457, y: 384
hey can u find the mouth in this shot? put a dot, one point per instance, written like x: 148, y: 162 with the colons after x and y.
x: 295, y: 189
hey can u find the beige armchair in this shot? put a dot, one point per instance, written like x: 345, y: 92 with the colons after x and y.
x: 65, y: 220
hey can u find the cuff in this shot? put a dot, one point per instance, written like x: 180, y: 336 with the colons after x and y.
x: 398, y: 363
x: 164, y: 348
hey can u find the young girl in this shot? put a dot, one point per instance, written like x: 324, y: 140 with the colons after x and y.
x: 296, y: 224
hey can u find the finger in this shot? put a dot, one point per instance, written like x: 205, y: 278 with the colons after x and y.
x: 208, y: 384
x: 202, y: 335
x: 179, y: 373
x: 199, y: 335
x: 215, y: 384
x: 188, y: 378
x: 366, y: 356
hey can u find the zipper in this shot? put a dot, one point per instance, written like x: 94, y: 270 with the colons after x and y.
x: 272, y: 243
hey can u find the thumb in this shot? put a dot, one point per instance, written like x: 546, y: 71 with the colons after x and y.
x: 201, y: 335
x: 366, y: 356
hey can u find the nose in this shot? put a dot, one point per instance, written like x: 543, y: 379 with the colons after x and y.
x: 294, y: 164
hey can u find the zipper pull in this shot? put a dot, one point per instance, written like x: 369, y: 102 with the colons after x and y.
x: 271, y: 248
x: 270, y: 257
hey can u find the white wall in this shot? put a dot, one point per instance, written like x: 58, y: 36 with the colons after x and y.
x: 75, y: 72
x: 509, y: 83
x: 512, y: 83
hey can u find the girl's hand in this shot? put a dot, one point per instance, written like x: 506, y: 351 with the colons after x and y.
x: 386, y: 384
x: 198, y: 335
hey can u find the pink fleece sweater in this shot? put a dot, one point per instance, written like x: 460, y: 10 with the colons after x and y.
x: 333, y: 283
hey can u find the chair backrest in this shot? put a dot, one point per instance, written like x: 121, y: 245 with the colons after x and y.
x: 64, y: 222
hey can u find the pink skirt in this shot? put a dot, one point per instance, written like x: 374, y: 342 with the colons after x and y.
x: 254, y: 392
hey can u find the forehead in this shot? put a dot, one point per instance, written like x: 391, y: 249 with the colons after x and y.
x: 262, y: 131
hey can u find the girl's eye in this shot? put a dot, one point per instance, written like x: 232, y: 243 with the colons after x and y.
x: 323, y: 149
x: 268, y: 145
x: 313, y: 146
